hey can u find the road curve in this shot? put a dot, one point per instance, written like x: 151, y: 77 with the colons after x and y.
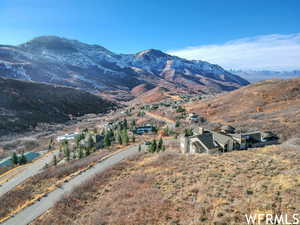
x: 168, y: 121
x: 27, y: 215
x: 29, y: 170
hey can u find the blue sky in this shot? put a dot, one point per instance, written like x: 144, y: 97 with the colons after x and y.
x: 129, y: 26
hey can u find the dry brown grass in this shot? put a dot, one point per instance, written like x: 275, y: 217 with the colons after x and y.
x: 39, y: 183
x: 171, y: 188
x: 270, y: 105
x: 154, y: 95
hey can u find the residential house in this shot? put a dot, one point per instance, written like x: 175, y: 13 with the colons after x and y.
x: 67, y: 137
x: 144, y: 129
x: 193, y: 117
x: 206, y: 141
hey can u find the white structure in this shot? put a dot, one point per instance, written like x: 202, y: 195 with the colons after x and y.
x: 67, y: 137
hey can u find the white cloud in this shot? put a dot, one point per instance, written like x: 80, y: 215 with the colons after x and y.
x: 267, y: 52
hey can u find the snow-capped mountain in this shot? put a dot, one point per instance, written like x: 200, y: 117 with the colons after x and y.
x: 67, y: 62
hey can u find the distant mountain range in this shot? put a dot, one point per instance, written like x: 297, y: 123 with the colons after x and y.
x: 56, y: 60
x: 258, y: 75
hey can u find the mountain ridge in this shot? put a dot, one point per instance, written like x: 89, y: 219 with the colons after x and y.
x: 93, y: 68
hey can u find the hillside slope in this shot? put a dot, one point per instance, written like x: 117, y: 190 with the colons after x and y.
x: 172, y: 188
x: 268, y: 105
x: 25, y: 104
x: 93, y: 68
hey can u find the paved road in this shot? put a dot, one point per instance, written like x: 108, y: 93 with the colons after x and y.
x: 169, y: 122
x: 30, y: 170
x: 30, y: 213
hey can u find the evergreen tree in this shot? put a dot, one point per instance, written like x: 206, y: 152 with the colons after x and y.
x: 107, y: 142
x: 167, y: 131
x: 78, y: 138
x: 110, y: 133
x: 90, y: 142
x: 133, y: 124
x: 116, y: 136
x: 150, y: 147
x: 95, y: 130
x: 86, y: 130
x: 23, y: 159
x: 50, y: 144
x: 73, y: 155
x: 15, y: 158
x: 54, y: 160
x: 180, y: 109
x: 188, y: 132
x: 153, y: 146
x: 120, y: 138
x: 80, y: 153
x: 87, y: 152
x: 177, y: 124
x: 133, y: 138
x: 160, y: 144
x: 125, y: 137
x: 125, y: 123
x: 140, y: 148
x: 67, y: 152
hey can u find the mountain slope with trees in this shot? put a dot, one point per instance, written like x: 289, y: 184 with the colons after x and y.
x: 23, y: 104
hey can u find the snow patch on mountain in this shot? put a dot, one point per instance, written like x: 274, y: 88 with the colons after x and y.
x: 70, y: 62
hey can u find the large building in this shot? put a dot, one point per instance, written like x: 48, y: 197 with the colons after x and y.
x: 206, y: 141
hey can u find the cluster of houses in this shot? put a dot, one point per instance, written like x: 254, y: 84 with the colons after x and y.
x: 226, y: 140
x: 145, y: 129
x: 96, y: 138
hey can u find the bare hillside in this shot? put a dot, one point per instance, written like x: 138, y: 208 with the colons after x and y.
x: 268, y: 105
x: 25, y: 104
x: 170, y: 188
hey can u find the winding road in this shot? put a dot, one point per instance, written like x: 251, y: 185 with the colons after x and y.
x: 30, y: 170
x: 30, y: 213
x: 168, y: 121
